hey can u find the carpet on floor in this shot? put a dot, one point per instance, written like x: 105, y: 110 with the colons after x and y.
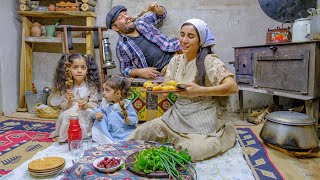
x: 256, y: 155
x: 20, y: 140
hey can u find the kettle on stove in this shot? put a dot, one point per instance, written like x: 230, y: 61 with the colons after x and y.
x: 301, y: 30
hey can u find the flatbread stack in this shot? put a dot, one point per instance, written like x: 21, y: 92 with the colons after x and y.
x: 46, y: 166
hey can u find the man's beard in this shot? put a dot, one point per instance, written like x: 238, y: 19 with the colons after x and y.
x: 129, y: 29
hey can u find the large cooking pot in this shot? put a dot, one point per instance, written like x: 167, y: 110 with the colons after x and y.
x: 290, y: 130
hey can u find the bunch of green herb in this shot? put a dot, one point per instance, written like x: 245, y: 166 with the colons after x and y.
x: 164, y: 158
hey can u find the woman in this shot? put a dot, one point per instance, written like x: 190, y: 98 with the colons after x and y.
x: 192, y: 122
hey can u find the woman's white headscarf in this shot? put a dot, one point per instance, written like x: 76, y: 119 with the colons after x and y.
x: 206, y: 37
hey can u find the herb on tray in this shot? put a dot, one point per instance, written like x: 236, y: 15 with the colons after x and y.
x: 163, y: 158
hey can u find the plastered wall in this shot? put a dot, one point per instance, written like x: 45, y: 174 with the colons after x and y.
x: 234, y: 23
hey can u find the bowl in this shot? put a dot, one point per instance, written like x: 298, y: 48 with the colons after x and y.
x: 33, y: 4
x: 96, y: 162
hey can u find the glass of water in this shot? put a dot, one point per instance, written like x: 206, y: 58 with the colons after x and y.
x: 76, y: 148
x: 86, y: 143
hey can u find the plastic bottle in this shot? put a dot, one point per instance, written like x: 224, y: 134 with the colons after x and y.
x: 74, y: 131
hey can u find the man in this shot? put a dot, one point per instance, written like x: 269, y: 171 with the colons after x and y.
x: 143, y: 51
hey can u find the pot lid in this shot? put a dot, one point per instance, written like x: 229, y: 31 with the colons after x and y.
x: 290, y: 118
x: 303, y: 19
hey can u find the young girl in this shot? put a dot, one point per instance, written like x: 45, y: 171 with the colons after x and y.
x: 78, y: 82
x: 115, y: 118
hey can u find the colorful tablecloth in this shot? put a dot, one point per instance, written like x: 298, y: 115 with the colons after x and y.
x: 229, y: 165
x: 84, y: 169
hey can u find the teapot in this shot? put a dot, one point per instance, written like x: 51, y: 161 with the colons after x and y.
x: 51, y: 29
x: 301, y: 30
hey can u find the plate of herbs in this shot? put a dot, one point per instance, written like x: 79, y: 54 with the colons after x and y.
x: 161, y: 162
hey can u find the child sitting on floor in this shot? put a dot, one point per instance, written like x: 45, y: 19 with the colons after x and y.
x: 115, y: 118
x: 77, y: 79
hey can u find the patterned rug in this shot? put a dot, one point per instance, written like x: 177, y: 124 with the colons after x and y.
x: 20, y: 140
x: 257, y: 156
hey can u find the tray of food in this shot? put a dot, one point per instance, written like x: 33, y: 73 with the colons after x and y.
x: 167, y: 87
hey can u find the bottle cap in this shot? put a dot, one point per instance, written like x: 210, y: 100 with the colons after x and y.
x: 73, y: 115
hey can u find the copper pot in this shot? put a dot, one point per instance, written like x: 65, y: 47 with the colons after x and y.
x: 290, y: 130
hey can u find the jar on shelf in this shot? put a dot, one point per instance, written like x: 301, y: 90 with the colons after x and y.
x: 36, y: 29
x: 51, y: 7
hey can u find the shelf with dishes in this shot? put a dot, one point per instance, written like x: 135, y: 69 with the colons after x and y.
x: 40, y: 33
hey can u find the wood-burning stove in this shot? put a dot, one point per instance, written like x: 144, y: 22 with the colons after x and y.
x: 287, y: 69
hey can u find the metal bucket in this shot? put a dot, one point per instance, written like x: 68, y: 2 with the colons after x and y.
x: 33, y: 99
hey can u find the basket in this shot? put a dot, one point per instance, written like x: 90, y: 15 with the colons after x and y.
x: 44, y: 111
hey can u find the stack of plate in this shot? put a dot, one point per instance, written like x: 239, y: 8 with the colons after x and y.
x: 46, y: 166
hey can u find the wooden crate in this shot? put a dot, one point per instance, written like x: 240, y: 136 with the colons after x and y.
x: 149, y: 106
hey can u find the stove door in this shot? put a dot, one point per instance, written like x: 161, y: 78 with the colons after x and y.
x: 243, y: 66
x: 282, y: 69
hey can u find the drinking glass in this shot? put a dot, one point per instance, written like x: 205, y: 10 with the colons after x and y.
x: 86, y: 143
x: 76, y: 148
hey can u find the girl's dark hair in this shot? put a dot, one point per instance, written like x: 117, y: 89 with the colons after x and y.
x: 202, y: 54
x: 93, y: 78
x: 121, y: 84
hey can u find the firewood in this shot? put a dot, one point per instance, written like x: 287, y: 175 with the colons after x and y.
x: 86, y: 7
x: 90, y: 2
x: 260, y: 117
x: 24, y: 7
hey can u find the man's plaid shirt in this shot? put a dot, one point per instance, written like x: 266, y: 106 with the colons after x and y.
x: 130, y: 55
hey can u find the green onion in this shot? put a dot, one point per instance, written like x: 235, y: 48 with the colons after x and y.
x: 164, y: 159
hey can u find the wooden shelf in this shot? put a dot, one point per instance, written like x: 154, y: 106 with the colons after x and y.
x: 31, y: 39
x: 57, y: 14
x: 87, y: 19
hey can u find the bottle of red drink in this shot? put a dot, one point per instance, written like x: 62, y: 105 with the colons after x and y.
x: 74, y: 131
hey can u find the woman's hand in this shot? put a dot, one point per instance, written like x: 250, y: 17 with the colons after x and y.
x: 82, y: 104
x: 192, y: 90
x: 98, y: 115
